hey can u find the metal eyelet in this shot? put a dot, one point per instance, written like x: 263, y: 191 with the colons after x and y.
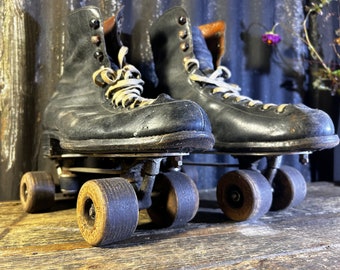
x: 184, y: 46
x: 99, y: 55
x: 183, y: 34
x: 94, y: 23
x: 95, y: 40
x: 279, y: 111
x: 182, y: 20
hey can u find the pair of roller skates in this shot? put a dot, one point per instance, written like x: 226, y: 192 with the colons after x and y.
x: 120, y: 152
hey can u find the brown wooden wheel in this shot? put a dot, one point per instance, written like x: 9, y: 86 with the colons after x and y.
x: 107, y: 211
x: 244, y: 195
x: 37, y: 191
x: 289, y: 188
x: 175, y: 199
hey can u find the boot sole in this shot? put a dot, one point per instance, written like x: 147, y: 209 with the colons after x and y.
x: 184, y: 141
x: 281, y: 147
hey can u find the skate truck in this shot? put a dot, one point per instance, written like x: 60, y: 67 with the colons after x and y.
x: 111, y: 189
x: 249, y: 192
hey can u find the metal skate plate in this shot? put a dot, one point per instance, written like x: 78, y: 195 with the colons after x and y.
x: 253, y: 155
x: 119, y: 155
x: 264, y: 154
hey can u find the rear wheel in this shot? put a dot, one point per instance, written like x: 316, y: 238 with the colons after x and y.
x: 244, y: 195
x: 289, y: 188
x: 37, y: 191
x: 175, y: 200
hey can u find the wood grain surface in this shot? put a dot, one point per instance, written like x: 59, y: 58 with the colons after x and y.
x: 305, y: 237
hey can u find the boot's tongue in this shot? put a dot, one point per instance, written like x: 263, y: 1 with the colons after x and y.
x: 201, y: 51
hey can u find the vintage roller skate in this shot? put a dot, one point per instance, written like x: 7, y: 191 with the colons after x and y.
x: 245, y: 128
x: 117, y: 151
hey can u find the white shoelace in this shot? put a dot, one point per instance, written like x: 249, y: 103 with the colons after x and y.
x: 228, y: 90
x: 125, y: 84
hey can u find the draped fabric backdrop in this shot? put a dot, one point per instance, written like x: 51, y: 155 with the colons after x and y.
x: 32, y: 46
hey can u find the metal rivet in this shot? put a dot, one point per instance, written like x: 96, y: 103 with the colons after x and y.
x: 94, y: 23
x: 183, y: 34
x: 95, y: 40
x: 182, y: 20
x: 99, y: 56
x: 184, y: 46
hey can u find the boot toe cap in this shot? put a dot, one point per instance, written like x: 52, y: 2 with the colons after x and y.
x: 311, y: 122
x: 182, y: 115
x: 296, y: 128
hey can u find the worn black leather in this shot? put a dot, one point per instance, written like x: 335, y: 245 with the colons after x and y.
x: 237, y: 127
x: 83, y: 120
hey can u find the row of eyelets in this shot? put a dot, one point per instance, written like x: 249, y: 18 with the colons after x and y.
x: 95, y: 24
x: 251, y: 103
x: 183, y: 34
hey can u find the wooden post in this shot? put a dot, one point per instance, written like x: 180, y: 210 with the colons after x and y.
x: 31, y: 39
x: 15, y: 97
x: 31, y: 62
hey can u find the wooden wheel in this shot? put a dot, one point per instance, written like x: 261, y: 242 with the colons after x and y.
x: 175, y: 200
x: 107, y: 211
x: 37, y: 191
x: 289, y: 188
x: 244, y: 194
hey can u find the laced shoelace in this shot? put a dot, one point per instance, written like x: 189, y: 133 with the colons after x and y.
x: 218, y: 78
x: 125, y: 83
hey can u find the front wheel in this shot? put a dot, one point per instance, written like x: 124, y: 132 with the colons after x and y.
x: 107, y: 211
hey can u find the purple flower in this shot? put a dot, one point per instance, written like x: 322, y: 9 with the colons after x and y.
x: 271, y: 38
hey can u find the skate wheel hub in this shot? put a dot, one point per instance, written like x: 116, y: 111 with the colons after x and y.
x: 235, y: 197
x: 90, y: 212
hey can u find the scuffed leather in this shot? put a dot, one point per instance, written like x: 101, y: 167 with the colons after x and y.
x: 236, y: 126
x: 78, y: 110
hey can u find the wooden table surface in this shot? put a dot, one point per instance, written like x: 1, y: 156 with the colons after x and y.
x: 305, y: 237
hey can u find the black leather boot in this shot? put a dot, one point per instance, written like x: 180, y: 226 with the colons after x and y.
x: 97, y: 106
x: 240, y: 124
